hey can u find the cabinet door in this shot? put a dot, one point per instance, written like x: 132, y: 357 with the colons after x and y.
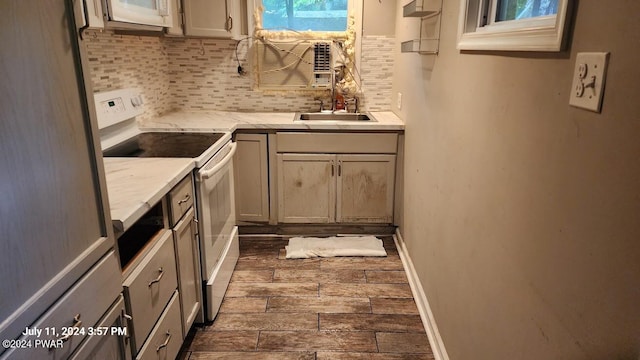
x: 306, y: 188
x: 188, y: 269
x: 251, y: 177
x: 365, y: 188
x: 54, y: 212
x: 211, y: 18
x: 176, y: 19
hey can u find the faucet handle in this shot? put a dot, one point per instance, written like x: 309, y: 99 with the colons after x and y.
x: 349, y: 101
x: 321, y: 103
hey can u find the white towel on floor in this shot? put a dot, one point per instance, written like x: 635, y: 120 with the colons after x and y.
x: 307, y: 247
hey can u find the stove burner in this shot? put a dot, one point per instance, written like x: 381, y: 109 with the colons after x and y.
x: 164, y: 144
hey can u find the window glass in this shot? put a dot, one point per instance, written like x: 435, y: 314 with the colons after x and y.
x: 523, y: 9
x: 303, y: 15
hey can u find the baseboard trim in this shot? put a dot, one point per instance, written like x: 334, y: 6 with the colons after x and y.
x: 437, y: 345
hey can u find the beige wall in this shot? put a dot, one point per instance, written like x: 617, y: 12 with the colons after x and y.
x: 378, y: 17
x: 522, y: 214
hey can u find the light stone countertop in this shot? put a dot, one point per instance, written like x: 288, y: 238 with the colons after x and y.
x: 135, y: 185
x: 230, y: 121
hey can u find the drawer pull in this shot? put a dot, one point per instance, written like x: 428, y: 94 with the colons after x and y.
x: 186, y: 198
x: 165, y: 343
x: 69, y: 333
x: 160, y: 275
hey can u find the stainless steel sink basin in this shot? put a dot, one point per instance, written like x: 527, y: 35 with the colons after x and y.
x: 338, y: 116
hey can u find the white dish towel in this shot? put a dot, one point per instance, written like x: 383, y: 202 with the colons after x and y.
x: 307, y: 247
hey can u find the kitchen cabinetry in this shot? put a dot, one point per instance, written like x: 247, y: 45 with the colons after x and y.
x: 214, y: 18
x: 166, y: 338
x: 89, y: 14
x: 251, y: 178
x: 187, y: 255
x: 108, y: 345
x: 341, y: 177
x: 150, y: 286
x: 176, y: 28
x: 160, y: 258
x: 54, y: 216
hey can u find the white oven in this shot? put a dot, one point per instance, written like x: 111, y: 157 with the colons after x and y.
x: 140, y: 12
x: 213, y: 158
x: 217, y: 230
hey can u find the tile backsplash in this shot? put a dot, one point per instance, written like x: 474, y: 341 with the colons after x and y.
x: 201, y: 74
x: 120, y: 61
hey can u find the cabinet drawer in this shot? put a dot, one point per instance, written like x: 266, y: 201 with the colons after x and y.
x: 166, y: 338
x: 112, y: 345
x: 83, y: 306
x: 181, y: 198
x: 337, y: 143
x: 150, y: 286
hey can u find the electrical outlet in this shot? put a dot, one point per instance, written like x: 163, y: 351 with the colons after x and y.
x: 588, y: 81
x: 399, y: 101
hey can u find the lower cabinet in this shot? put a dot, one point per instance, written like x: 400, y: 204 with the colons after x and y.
x: 251, y: 178
x: 113, y: 343
x: 327, y: 188
x: 189, y: 284
x: 150, y: 286
x: 166, y: 337
x: 66, y: 325
x: 162, y: 285
x: 365, y: 188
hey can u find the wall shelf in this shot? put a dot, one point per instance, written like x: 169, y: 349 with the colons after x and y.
x: 428, y: 42
x: 421, y: 46
x: 416, y: 8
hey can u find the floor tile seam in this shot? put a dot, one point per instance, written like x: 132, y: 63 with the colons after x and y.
x: 376, y: 331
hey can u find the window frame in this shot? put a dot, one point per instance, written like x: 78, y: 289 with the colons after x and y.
x: 543, y: 33
x: 329, y: 33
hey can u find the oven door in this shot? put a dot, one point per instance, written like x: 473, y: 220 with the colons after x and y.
x: 217, y: 225
x: 143, y: 12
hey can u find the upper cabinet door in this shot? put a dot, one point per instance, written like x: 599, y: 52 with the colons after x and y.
x: 212, y: 18
x: 176, y: 27
x: 54, y: 213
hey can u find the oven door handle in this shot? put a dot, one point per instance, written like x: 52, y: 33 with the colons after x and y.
x: 210, y: 172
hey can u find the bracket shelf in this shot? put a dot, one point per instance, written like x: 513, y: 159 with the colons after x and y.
x: 429, y: 13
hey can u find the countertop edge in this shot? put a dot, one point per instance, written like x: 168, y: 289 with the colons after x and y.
x: 125, y: 214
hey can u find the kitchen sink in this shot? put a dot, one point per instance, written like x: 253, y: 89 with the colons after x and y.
x: 338, y: 116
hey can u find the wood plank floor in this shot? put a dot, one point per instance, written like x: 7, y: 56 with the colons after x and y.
x: 316, y: 309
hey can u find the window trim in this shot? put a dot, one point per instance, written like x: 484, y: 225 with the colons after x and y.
x: 544, y: 33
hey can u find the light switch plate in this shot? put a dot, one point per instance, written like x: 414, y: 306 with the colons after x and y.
x: 589, y: 77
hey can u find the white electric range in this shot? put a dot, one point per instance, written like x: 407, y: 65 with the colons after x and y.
x: 215, y: 205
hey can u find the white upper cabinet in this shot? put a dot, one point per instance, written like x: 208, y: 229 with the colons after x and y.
x: 176, y: 27
x: 89, y: 14
x: 214, y: 18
